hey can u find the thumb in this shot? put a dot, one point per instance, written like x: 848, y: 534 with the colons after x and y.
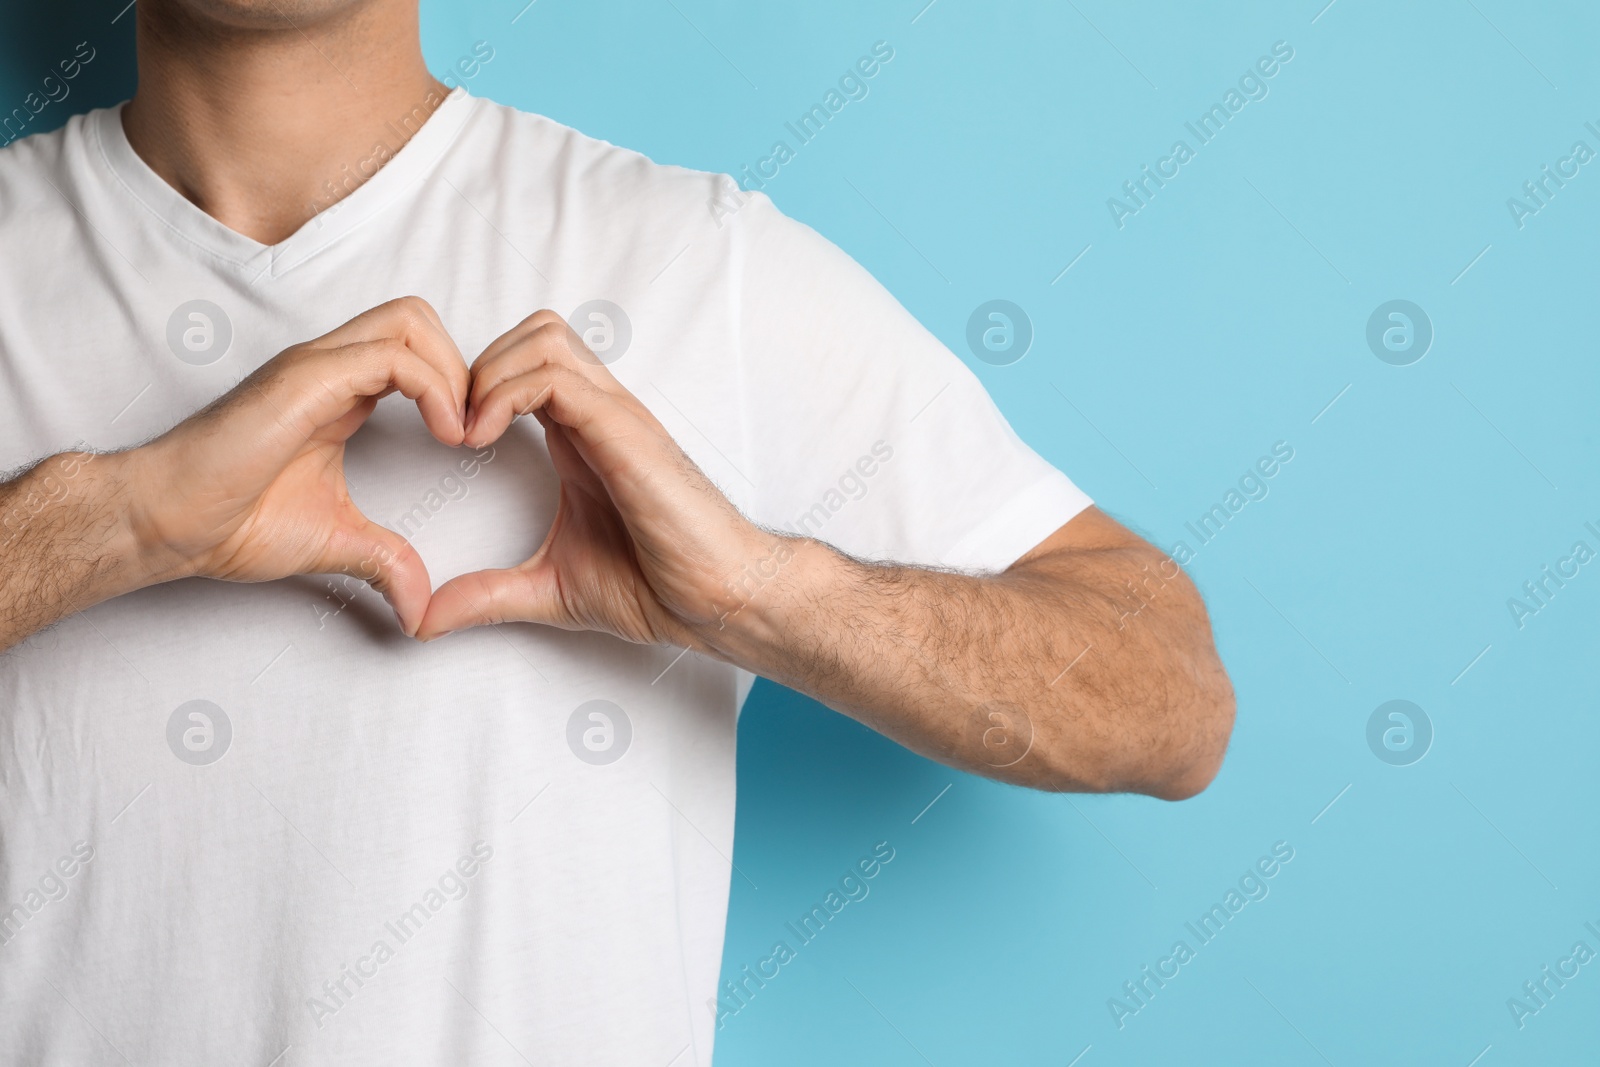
x: 518, y: 594
x: 387, y: 562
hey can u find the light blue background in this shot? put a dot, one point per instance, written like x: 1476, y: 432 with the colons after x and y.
x: 1223, y: 318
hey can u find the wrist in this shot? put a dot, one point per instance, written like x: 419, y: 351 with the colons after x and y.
x: 134, y: 498
x: 769, y: 603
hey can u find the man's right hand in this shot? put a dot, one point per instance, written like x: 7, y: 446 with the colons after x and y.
x: 252, y: 488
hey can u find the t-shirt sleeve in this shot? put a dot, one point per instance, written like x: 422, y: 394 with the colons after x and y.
x: 864, y: 431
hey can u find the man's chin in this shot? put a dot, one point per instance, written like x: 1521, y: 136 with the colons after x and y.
x: 260, y: 14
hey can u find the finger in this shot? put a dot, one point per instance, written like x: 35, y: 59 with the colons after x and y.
x: 387, y: 562
x: 322, y: 390
x: 319, y: 396
x: 483, y: 598
x: 514, y: 336
x: 549, y: 342
x: 530, y: 349
x: 561, y: 392
x: 413, y: 322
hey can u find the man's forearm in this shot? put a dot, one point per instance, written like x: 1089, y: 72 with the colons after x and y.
x: 1083, y: 669
x: 64, y: 544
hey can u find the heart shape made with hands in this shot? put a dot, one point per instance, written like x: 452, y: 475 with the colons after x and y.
x: 642, y: 541
x: 643, y: 546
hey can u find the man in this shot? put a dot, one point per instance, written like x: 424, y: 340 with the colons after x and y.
x: 251, y: 819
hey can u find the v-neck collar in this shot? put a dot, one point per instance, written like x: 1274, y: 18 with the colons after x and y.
x: 189, y: 223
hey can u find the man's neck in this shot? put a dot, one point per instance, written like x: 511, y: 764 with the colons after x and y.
x: 263, y: 127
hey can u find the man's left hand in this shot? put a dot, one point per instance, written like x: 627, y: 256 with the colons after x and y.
x: 643, y: 545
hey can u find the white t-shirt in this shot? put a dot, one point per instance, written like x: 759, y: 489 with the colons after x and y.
x: 237, y: 820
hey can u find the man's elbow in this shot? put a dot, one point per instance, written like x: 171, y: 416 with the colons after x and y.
x: 1207, y: 725
x: 1190, y: 731
x: 1174, y: 753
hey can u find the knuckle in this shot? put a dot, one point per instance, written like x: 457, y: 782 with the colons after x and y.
x: 309, y: 365
x: 412, y: 313
x: 551, y: 335
x: 412, y: 318
x: 543, y: 317
x: 414, y: 305
x: 296, y: 356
